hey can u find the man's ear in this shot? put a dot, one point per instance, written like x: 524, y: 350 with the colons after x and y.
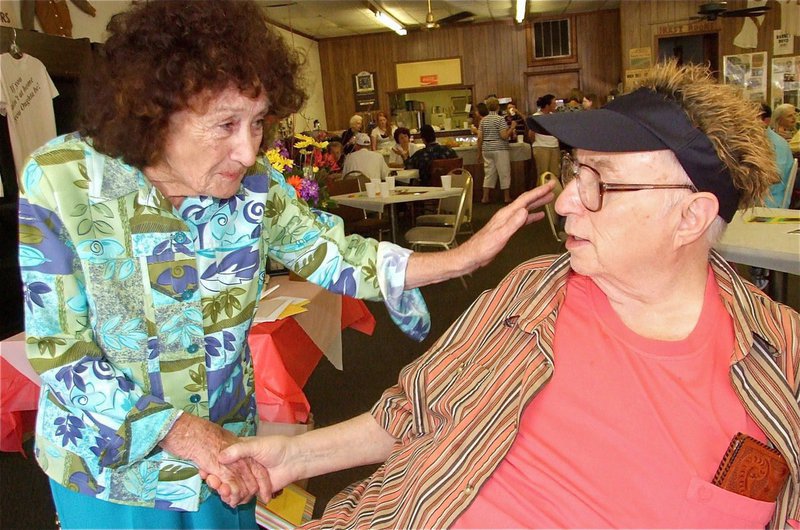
x: 697, y: 211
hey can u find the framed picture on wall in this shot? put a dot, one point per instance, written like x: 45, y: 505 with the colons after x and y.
x: 365, y: 82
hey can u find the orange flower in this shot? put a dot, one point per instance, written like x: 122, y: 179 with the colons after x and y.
x: 295, y: 181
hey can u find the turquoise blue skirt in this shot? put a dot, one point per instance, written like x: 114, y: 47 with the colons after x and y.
x: 76, y: 510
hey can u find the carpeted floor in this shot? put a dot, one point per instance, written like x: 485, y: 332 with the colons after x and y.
x: 370, y: 365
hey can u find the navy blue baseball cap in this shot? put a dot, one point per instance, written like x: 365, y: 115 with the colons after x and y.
x: 645, y: 120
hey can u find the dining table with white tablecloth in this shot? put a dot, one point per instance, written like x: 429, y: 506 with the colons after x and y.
x: 768, y: 238
x: 400, y: 194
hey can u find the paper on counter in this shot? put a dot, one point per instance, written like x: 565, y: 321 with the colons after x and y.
x: 273, y: 309
x: 295, y: 308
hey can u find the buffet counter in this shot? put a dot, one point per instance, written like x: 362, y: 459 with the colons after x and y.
x: 522, y: 166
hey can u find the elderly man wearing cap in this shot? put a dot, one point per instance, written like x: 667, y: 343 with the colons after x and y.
x: 363, y: 159
x: 601, y: 388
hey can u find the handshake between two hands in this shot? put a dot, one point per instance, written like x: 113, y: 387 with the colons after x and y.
x: 236, y: 468
x: 246, y: 472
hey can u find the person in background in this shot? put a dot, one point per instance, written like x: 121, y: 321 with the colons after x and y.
x: 784, y: 122
x: 403, y: 147
x: 478, y: 113
x: 349, y: 136
x: 382, y: 135
x: 334, y: 153
x: 546, y: 152
x: 421, y: 159
x: 143, y: 243
x: 493, y: 151
x: 363, y: 159
x: 783, y: 160
x: 589, y: 101
x: 574, y: 101
x: 601, y: 388
x: 774, y: 199
x: 514, y: 117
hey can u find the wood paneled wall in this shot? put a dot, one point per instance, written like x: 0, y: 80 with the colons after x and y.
x: 640, y: 23
x: 493, y: 59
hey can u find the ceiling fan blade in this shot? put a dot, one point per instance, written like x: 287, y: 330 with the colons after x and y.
x: 746, y: 12
x: 461, y: 16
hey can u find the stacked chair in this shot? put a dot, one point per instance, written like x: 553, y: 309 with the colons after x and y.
x: 442, y: 166
x: 445, y: 213
x: 443, y: 236
x: 356, y: 220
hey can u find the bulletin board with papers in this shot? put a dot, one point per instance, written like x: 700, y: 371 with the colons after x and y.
x: 785, y: 81
x: 747, y: 71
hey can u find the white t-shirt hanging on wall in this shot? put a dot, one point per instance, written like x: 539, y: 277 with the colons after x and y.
x: 26, y: 99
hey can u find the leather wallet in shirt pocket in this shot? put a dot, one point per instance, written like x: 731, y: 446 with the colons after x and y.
x: 709, y: 506
x: 753, y: 469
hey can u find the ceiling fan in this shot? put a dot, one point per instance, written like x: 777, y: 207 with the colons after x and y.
x: 432, y: 23
x: 712, y: 10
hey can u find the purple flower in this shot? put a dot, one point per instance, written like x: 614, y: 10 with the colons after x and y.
x: 309, y: 190
x: 32, y: 293
x: 69, y: 429
x: 284, y: 152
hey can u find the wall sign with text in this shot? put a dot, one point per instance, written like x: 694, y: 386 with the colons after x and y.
x: 439, y: 72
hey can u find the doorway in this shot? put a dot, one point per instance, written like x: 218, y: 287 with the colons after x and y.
x: 700, y: 48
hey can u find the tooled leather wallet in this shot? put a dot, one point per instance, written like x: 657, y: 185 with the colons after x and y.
x: 752, y: 469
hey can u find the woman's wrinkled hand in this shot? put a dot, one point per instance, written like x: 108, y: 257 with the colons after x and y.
x: 493, y: 237
x: 269, y: 452
x: 201, y: 441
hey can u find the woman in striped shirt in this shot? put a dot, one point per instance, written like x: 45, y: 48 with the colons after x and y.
x: 493, y: 149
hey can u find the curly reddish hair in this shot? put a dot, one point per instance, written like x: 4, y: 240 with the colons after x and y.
x: 164, y: 56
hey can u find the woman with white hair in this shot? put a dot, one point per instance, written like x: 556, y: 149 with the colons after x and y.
x: 784, y: 120
x: 349, y: 136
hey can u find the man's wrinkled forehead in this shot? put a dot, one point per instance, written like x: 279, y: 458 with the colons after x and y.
x: 610, y: 160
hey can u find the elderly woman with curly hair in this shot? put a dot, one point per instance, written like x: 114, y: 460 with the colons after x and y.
x: 143, y: 244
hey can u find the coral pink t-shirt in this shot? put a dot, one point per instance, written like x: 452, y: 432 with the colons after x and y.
x: 628, y: 432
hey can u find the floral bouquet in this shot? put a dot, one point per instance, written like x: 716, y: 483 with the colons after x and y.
x: 308, y: 171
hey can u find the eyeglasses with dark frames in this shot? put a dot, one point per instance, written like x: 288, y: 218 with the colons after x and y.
x: 592, y: 189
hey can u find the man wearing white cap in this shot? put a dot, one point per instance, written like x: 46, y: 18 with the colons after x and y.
x: 636, y: 381
x: 371, y: 163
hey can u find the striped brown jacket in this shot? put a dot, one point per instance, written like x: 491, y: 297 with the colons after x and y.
x: 455, y: 410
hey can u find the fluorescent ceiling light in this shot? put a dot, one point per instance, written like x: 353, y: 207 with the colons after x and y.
x: 519, y: 15
x: 390, y: 22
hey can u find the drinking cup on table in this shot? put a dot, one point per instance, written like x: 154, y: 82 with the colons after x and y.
x: 385, y: 189
x: 390, y: 180
x: 377, y: 182
x: 372, y: 189
x: 447, y: 181
x: 520, y: 138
